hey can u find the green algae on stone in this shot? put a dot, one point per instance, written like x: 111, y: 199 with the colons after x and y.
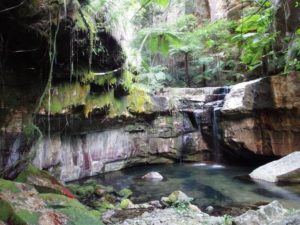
x: 43, y: 181
x: 29, y: 217
x: 125, y: 204
x: 72, y: 208
x: 139, y: 101
x: 125, y: 193
x: 84, y: 191
x: 65, y: 96
x: 103, y: 206
x: 6, y: 210
x: 6, y: 185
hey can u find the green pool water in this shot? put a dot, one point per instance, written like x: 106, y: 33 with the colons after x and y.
x: 209, y: 184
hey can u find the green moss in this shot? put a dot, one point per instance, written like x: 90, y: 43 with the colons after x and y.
x: 73, y: 187
x: 6, y: 185
x: 54, y: 200
x: 6, y: 210
x: 84, y: 191
x: 103, y: 206
x: 77, y: 213
x: 116, y: 107
x: 125, y: 203
x: 22, y: 217
x: 28, y: 216
x: 30, y: 170
x: 65, y: 96
x: 125, y: 193
x: 139, y: 101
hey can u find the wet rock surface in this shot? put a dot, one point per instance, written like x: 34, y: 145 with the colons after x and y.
x: 168, y: 134
x: 286, y: 169
x: 261, y: 117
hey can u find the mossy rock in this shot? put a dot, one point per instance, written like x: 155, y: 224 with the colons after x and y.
x: 125, y: 193
x: 43, y: 181
x: 84, y: 191
x: 6, y: 185
x: 125, y: 204
x: 10, y: 215
x: 73, y: 187
x: 176, y: 197
x: 103, y: 206
x: 77, y: 213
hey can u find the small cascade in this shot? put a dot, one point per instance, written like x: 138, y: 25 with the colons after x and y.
x: 217, y: 154
x: 197, y: 116
x: 65, y: 8
x: 216, y: 136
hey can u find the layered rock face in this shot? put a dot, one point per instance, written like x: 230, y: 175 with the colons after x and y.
x: 222, y: 9
x: 263, y: 116
x: 169, y: 133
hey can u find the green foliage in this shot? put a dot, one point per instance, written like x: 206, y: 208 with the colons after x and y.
x: 162, y: 3
x: 127, y: 79
x: 254, y: 37
x: 227, y: 220
x: 162, y: 40
x: 154, y: 77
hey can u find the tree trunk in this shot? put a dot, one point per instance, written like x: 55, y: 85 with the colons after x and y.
x: 187, y: 75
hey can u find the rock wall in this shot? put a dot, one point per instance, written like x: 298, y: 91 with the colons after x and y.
x: 222, y: 9
x: 263, y: 117
x: 171, y: 133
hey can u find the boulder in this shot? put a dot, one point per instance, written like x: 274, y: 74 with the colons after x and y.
x: 291, y: 219
x: 153, y: 176
x: 43, y: 181
x: 284, y: 169
x: 175, y: 198
x: 264, y: 216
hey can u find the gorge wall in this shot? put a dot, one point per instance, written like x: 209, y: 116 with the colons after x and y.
x: 257, y: 120
x: 263, y: 116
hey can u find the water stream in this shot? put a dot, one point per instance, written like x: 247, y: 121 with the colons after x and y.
x: 208, y: 184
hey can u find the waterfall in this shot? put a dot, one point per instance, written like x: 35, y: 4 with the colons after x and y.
x: 216, y: 136
x: 217, y: 154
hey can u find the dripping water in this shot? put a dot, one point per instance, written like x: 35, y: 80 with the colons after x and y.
x: 217, y: 153
x: 65, y: 8
x: 71, y: 55
x: 215, y: 131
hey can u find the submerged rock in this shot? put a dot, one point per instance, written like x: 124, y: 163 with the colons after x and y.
x: 153, y: 176
x: 284, y: 169
x: 125, y: 193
